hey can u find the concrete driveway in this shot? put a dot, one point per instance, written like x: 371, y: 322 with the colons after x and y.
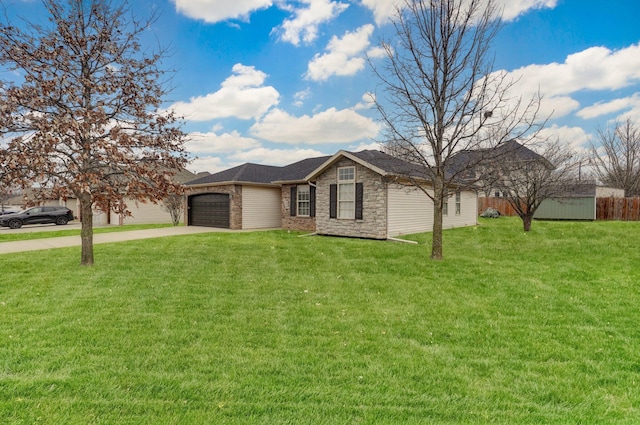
x: 69, y: 241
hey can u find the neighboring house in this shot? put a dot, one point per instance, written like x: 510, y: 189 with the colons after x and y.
x: 141, y: 212
x: 358, y: 194
x: 479, y: 165
x: 578, y: 203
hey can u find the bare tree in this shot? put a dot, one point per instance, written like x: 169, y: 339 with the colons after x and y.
x: 616, y: 159
x: 527, y: 178
x: 6, y: 192
x: 174, y: 204
x: 442, y: 96
x: 83, y: 114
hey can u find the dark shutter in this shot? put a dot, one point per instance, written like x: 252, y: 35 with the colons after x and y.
x: 333, y: 201
x: 312, y: 201
x: 293, y: 202
x: 359, y: 199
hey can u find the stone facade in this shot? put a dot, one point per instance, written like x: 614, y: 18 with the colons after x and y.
x: 374, y: 219
x: 235, y: 202
x: 305, y: 224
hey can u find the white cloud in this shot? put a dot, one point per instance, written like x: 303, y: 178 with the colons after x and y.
x: 242, y: 96
x: 301, y: 96
x: 593, y: 69
x: 368, y: 101
x: 304, y: 25
x: 574, y: 136
x: 605, y: 108
x: 212, y: 164
x: 212, y: 143
x: 377, y: 53
x: 366, y: 146
x: 383, y: 10
x: 511, y: 9
x: 330, y: 126
x: 596, y: 68
x: 275, y: 156
x: 345, y: 55
x: 219, y: 10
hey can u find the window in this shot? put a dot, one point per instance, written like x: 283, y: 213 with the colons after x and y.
x: 347, y: 192
x: 458, y: 203
x: 445, y: 207
x: 304, y: 201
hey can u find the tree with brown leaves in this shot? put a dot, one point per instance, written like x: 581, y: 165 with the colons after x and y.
x: 82, y: 113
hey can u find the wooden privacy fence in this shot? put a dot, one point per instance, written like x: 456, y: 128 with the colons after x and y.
x: 626, y: 209
x: 499, y: 204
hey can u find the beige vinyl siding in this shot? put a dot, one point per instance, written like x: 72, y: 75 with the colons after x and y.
x: 141, y: 213
x: 468, y: 211
x: 608, y: 192
x: 100, y: 218
x: 144, y: 213
x: 410, y: 210
x: 261, y: 207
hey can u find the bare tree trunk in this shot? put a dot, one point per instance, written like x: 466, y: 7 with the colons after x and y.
x: 436, y: 244
x: 86, y: 234
x: 527, y: 218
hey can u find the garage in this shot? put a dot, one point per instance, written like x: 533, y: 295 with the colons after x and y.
x: 210, y: 210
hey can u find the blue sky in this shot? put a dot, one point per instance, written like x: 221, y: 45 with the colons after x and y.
x: 275, y: 81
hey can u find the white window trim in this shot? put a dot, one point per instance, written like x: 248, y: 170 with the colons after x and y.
x: 458, y: 202
x: 303, y: 189
x: 340, y: 201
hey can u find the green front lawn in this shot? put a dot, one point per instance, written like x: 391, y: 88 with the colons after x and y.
x: 270, y: 328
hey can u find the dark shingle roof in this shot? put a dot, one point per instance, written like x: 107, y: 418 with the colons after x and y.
x: 390, y: 164
x: 299, y: 170
x: 510, y: 150
x: 265, y: 174
x: 251, y: 173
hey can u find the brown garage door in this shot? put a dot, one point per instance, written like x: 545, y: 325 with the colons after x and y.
x: 210, y: 210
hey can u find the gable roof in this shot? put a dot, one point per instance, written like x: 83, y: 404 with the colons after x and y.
x: 379, y: 162
x: 510, y: 150
x: 308, y: 169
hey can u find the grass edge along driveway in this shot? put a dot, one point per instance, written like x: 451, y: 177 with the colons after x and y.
x: 271, y: 328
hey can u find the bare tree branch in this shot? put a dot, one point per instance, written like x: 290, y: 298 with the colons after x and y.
x: 616, y: 159
x: 528, y: 180
x: 441, y: 96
